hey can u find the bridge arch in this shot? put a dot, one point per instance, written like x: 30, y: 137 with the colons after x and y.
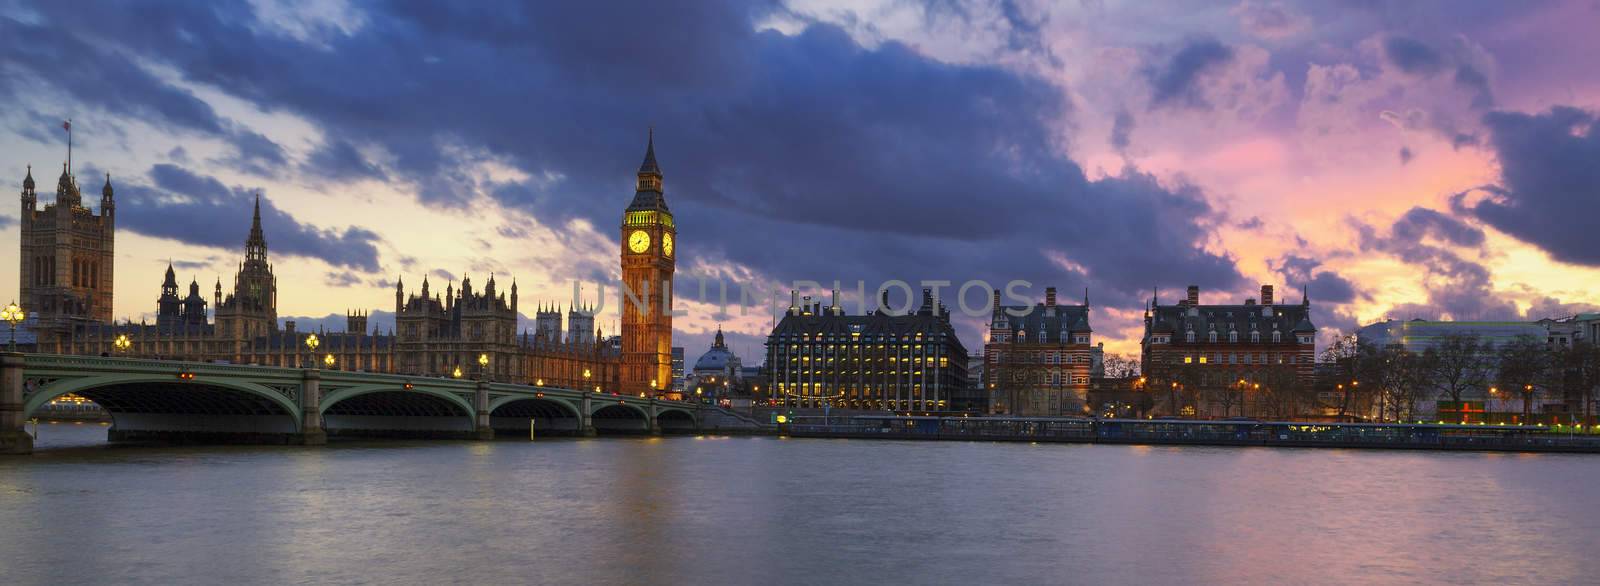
x: 510, y: 416
x: 390, y: 410
x: 619, y: 417
x: 155, y: 405
x: 677, y: 420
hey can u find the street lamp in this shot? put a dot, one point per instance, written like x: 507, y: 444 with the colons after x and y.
x: 122, y: 343
x: 13, y: 315
x: 483, y: 366
x: 457, y: 372
x: 311, y: 344
x: 328, y: 360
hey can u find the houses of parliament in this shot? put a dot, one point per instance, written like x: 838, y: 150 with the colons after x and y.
x: 66, y: 283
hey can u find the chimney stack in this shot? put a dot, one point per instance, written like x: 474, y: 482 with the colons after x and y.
x: 1049, y: 296
x: 996, y: 306
x: 1194, y: 295
x: 1266, y: 294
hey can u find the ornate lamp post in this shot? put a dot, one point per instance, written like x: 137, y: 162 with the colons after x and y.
x: 483, y: 366
x: 13, y: 315
x: 328, y: 360
x: 122, y: 343
x: 311, y: 345
x: 586, y: 375
x: 457, y: 372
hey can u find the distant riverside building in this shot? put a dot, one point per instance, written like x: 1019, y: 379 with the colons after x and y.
x: 1419, y: 335
x: 66, y: 289
x: 717, y: 372
x: 1478, y: 403
x: 1039, y: 358
x: 818, y: 355
x: 1201, y: 348
x: 678, y: 379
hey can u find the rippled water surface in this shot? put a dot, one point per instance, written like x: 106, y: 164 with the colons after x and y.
x: 765, y: 510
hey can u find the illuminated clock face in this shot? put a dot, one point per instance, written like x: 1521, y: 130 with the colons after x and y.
x: 666, y: 244
x: 639, y: 241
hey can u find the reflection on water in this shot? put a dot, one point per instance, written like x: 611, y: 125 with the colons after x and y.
x: 743, y: 510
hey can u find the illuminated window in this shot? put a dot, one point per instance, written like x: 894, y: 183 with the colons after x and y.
x: 1202, y: 360
x: 1188, y: 359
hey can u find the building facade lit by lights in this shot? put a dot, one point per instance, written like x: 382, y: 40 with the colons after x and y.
x: 67, y: 287
x: 913, y: 363
x: 1202, y: 350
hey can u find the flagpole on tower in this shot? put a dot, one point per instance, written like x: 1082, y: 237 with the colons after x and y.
x: 68, y: 126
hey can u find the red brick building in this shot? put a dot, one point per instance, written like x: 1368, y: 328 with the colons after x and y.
x: 1039, y: 358
x: 1215, y: 360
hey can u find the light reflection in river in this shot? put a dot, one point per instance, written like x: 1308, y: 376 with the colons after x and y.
x: 743, y: 510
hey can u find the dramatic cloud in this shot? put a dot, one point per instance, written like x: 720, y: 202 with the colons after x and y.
x: 1325, y: 286
x: 1457, y: 288
x: 1176, y: 80
x: 1269, y: 20
x: 853, y: 163
x: 339, y: 160
x: 1549, y: 191
x: 99, y: 76
x: 1464, y: 59
x: 1413, y: 56
x: 188, y: 207
x: 1121, y: 128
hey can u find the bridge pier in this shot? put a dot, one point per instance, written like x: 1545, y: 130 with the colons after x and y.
x: 14, y: 437
x: 311, y: 431
x: 650, y: 419
x: 482, y: 428
x: 585, y: 419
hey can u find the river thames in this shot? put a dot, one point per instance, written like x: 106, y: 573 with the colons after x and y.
x: 741, y: 510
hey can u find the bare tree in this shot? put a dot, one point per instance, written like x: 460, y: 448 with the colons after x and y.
x: 1121, y: 367
x: 1576, y: 370
x: 1524, y: 370
x: 1459, y: 366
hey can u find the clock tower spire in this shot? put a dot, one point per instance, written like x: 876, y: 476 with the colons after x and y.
x: 648, y: 261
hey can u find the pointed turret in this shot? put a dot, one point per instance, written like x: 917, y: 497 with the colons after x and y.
x: 256, y: 244
x: 27, y: 182
x: 105, y: 192
x: 719, y: 343
x: 647, y: 192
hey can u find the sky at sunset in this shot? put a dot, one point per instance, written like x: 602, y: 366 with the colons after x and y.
x: 1396, y: 159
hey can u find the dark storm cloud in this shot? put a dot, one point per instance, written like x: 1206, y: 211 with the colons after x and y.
x: 1303, y: 273
x: 803, y: 157
x: 339, y: 160
x: 1175, y: 80
x: 1549, y: 189
x: 1121, y: 129
x: 1471, y: 79
x: 1420, y: 59
x: 97, y: 75
x: 199, y: 209
x: 1413, y: 56
x: 255, y: 154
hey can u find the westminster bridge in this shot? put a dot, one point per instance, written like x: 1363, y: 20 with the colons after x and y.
x: 207, y: 402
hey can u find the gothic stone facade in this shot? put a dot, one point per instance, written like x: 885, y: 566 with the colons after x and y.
x: 67, y: 281
x: 67, y: 254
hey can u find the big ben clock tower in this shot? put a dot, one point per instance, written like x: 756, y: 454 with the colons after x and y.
x: 648, y: 253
